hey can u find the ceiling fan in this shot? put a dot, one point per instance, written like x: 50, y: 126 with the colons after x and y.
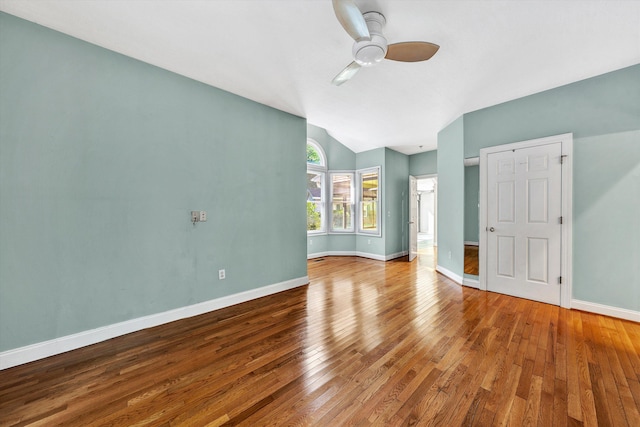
x: 370, y: 45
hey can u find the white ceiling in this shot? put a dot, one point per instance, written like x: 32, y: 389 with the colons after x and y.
x: 284, y: 53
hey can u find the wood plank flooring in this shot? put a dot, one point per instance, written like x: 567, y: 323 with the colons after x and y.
x: 471, y: 260
x: 366, y: 343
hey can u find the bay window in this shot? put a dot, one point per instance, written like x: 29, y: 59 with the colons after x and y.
x: 353, y: 197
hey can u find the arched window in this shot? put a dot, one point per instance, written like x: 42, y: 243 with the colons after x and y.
x: 316, y: 177
x: 315, y: 154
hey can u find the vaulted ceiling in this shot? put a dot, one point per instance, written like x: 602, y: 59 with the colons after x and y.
x: 284, y: 53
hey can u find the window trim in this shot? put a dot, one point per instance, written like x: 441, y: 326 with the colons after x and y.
x: 352, y: 230
x: 320, y: 150
x: 320, y: 169
x: 322, y: 202
x: 359, y: 173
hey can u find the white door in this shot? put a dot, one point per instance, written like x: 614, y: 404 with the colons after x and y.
x: 413, y: 218
x: 524, y: 208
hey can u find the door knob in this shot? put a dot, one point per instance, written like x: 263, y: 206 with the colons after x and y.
x: 492, y: 229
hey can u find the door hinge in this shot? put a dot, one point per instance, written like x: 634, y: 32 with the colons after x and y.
x: 562, y: 158
x: 560, y: 220
x: 560, y: 280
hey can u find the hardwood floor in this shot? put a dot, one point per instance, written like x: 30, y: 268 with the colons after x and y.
x: 471, y: 260
x: 366, y: 343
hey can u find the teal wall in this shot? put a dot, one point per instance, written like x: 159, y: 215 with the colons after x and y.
x: 471, y: 199
x: 606, y: 213
x: 102, y: 158
x: 597, y: 106
x: 396, y: 188
x: 341, y: 242
x: 451, y: 197
x: 603, y: 113
x: 425, y: 163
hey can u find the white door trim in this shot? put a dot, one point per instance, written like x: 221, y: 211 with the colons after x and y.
x: 435, y: 204
x: 413, y: 218
x: 566, y: 141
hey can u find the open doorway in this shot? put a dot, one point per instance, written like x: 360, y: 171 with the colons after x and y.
x: 427, y: 219
x: 471, y: 218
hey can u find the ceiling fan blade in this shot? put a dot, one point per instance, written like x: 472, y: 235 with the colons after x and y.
x: 351, y: 19
x: 411, y: 51
x: 346, y: 74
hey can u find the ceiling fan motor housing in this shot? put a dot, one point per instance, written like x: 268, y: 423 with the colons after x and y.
x: 369, y: 52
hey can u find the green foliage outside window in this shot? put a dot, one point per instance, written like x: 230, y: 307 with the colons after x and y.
x: 312, y: 155
x: 313, y: 217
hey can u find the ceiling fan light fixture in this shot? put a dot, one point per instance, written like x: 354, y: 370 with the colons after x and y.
x: 372, y: 51
x: 369, y: 52
x: 370, y: 45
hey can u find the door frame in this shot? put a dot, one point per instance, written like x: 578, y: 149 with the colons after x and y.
x: 566, y: 239
x: 413, y: 221
x: 435, y: 204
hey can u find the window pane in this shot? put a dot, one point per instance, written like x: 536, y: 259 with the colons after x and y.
x: 370, y: 186
x: 314, y: 200
x: 313, y: 156
x: 341, y: 190
x: 341, y: 215
x: 314, y: 185
x: 369, y: 215
x: 341, y: 202
x: 369, y: 197
x: 314, y: 216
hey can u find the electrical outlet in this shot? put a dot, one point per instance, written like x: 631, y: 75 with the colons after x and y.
x: 311, y: 241
x: 221, y: 274
x: 449, y: 254
x: 368, y: 241
x: 198, y: 216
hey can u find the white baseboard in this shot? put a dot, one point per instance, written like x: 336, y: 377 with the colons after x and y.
x: 55, y: 346
x: 471, y: 244
x: 331, y: 253
x: 607, y: 310
x: 317, y: 255
x: 450, y: 274
x: 371, y: 256
x: 357, y: 253
x: 472, y: 283
x: 396, y: 255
